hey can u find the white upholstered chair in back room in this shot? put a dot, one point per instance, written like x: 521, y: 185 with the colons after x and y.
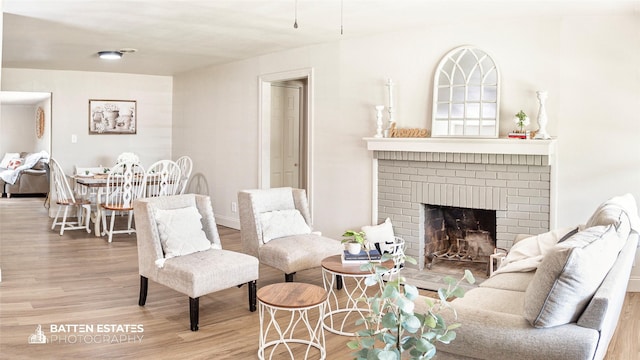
x: 65, y: 198
x: 186, y: 166
x: 163, y: 179
x: 125, y: 183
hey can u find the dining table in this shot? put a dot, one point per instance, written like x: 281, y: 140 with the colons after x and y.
x: 93, y: 184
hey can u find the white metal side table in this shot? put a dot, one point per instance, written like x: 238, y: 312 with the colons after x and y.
x: 342, y: 314
x: 298, y: 299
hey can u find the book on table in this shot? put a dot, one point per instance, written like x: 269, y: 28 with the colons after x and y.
x: 363, y: 257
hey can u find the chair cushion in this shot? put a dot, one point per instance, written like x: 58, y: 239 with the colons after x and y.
x: 281, y: 223
x: 299, y: 252
x: 181, y: 231
x: 204, y: 272
x: 569, y: 275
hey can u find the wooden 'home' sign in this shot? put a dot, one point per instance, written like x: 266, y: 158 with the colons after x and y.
x: 407, y: 133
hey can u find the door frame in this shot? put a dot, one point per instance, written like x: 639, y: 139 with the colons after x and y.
x: 264, y: 127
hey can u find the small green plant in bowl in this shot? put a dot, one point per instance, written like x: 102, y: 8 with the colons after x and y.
x: 355, y: 241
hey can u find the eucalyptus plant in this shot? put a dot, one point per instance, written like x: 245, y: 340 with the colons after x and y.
x: 393, y: 329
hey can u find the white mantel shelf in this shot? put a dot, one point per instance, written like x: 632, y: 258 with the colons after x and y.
x: 465, y: 146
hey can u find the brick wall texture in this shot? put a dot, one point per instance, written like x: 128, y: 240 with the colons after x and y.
x: 517, y: 187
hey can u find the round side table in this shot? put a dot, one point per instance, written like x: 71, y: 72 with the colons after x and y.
x: 344, y: 313
x: 297, y: 299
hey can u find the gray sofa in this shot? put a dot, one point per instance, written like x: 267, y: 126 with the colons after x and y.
x: 30, y: 181
x: 567, y: 308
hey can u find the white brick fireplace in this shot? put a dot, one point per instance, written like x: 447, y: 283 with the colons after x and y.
x: 516, y: 178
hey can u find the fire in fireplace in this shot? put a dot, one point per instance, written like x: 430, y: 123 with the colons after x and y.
x: 459, y: 234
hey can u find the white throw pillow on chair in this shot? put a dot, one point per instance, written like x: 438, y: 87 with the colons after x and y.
x: 181, y: 231
x: 281, y: 223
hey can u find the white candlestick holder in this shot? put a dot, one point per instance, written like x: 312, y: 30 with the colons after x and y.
x: 542, y: 117
x: 379, y: 109
x: 390, y: 108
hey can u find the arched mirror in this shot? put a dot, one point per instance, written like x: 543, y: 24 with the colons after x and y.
x: 466, y: 95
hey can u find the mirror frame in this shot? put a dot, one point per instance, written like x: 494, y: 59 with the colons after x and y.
x: 445, y: 79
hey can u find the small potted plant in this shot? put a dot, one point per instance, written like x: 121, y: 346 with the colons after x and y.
x: 354, y: 241
x: 521, y: 119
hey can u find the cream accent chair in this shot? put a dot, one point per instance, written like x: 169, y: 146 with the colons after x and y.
x: 196, y: 274
x: 289, y: 253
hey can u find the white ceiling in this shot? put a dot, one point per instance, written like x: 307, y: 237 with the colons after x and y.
x: 173, y: 36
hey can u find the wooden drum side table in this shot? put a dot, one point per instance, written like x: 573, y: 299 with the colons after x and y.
x: 343, y: 313
x: 298, y: 299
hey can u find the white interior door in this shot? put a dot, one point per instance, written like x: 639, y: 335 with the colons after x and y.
x: 285, y: 136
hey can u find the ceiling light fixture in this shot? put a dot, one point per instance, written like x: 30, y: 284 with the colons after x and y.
x: 295, y: 21
x: 341, y: 16
x: 110, y: 55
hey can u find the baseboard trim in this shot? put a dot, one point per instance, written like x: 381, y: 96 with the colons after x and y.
x: 228, y: 222
x: 634, y: 285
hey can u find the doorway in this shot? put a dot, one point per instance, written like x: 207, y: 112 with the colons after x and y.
x: 285, y: 127
x: 287, y: 134
x: 25, y: 118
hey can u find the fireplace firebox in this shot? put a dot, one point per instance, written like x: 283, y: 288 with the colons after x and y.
x: 459, y: 234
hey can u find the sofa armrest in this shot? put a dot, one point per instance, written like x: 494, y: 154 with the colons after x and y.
x: 493, y: 335
x: 33, y: 172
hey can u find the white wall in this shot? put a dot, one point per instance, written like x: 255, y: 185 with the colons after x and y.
x: 71, y: 91
x: 18, y: 129
x: 18, y: 124
x: 587, y: 64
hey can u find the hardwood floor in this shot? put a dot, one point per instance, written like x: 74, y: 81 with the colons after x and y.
x: 78, y: 279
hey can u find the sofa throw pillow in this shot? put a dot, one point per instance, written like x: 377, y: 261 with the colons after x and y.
x: 527, y: 254
x: 621, y: 211
x: 568, y: 277
x: 281, y: 223
x: 15, y: 163
x: 181, y: 231
x: 7, y: 158
x: 381, y: 234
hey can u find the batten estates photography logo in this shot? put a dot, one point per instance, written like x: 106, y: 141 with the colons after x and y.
x: 88, y: 334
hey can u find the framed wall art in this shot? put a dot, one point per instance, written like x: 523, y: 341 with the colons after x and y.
x: 112, y: 117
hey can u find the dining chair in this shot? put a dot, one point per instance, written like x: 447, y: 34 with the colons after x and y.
x: 125, y: 183
x: 163, y: 179
x: 65, y: 198
x: 186, y: 166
